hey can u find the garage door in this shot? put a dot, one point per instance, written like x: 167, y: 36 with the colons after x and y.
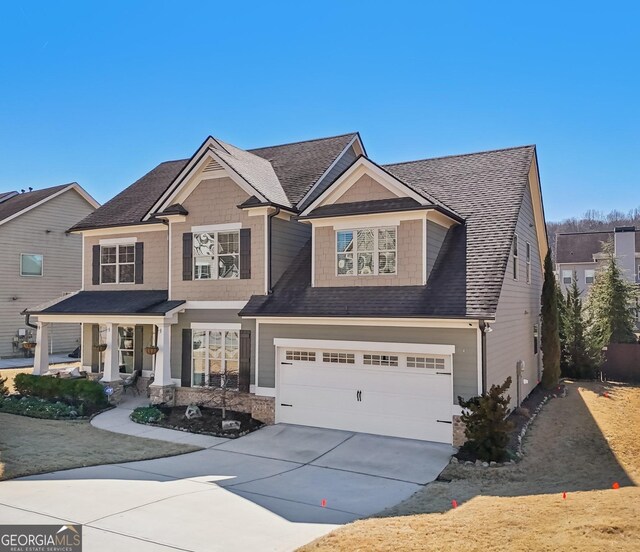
x: 390, y: 392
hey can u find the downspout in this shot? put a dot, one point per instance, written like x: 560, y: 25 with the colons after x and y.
x: 26, y: 320
x: 269, y: 230
x: 483, y: 354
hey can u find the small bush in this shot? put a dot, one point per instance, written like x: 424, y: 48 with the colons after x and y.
x: 486, y: 426
x: 74, y: 392
x: 147, y: 415
x: 3, y: 387
x: 37, y: 408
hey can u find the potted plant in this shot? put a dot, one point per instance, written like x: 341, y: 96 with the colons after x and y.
x: 29, y: 345
x: 100, y: 347
x: 151, y: 349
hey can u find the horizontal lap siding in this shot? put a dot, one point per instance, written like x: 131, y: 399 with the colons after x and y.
x: 518, y: 310
x: 287, y: 238
x: 42, y: 231
x: 465, y: 360
x: 579, y: 270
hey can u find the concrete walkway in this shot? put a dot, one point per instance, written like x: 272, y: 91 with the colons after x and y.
x: 274, y: 489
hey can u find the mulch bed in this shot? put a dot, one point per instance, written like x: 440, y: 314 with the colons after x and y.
x: 209, y: 424
x: 521, y: 418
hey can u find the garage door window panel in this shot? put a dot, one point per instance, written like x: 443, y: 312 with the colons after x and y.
x: 339, y: 358
x: 306, y: 356
x: 430, y: 363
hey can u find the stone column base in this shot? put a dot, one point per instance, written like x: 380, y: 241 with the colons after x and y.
x: 162, y: 394
x: 264, y: 409
x: 459, y: 438
x: 117, y: 387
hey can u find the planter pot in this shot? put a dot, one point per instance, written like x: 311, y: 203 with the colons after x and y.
x: 29, y: 345
x: 152, y: 350
x: 100, y: 347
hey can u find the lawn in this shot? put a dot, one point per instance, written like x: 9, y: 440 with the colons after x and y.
x: 11, y: 373
x: 29, y: 446
x: 580, y: 445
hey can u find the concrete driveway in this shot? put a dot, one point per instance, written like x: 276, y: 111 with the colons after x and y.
x: 274, y: 489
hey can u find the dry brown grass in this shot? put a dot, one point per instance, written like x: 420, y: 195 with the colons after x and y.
x: 29, y: 446
x: 581, y: 444
x: 11, y: 373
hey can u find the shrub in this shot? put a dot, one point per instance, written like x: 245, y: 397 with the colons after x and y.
x: 486, y: 426
x: 147, y: 415
x: 75, y: 392
x: 3, y: 387
x: 37, y: 408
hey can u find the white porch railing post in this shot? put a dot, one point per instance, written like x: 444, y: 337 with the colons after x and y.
x: 162, y: 375
x: 111, y: 361
x: 41, y: 356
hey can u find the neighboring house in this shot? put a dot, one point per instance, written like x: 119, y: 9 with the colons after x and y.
x: 328, y: 290
x: 580, y: 254
x: 39, y: 260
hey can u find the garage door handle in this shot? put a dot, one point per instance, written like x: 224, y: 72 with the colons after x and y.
x: 283, y: 404
x: 444, y: 422
x: 443, y: 373
x: 289, y: 363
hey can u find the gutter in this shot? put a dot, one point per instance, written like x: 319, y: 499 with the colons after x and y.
x: 269, y: 230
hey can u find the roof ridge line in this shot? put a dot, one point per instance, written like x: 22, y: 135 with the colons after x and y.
x: 459, y: 155
x: 304, y: 141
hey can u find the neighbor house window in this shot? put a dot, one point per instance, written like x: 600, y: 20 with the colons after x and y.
x: 514, y: 255
x: 126, y: 344
x: 381, y: 360
x: 528, y: 259
x: 535, y: 339
x: 216, y: 255
x: 31, y: 264
x: 589, y: 276
x: 117, y: 264
x: 215, y: 358
x: 567, y: 277
x: 366, y: 251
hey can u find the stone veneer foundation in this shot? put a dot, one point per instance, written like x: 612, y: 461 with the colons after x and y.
x: 459, y: 438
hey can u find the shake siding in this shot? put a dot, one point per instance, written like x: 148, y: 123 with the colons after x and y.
x: 408, y: 259
x: 465, y: 361
x: 215, y: 201
x: 518, y: 310
x: 435, y: 238
x: 365, y: 189
x: 342, y: 165
x: 287, y: 238
x: 155, y: 261
x: 41, y: 230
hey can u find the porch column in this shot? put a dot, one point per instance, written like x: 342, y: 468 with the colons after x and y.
x: 111, y: 361
x: 41, y: 356
x: 161, y: 390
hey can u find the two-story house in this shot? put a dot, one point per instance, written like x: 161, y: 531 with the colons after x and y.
x: 39, y: 261
x: 327, y: 289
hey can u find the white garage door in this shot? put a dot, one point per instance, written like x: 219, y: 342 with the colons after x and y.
x: 403, y: 394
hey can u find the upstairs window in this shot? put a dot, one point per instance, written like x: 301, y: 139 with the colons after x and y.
x: 514, y: 256
x: 528, y: 259
x: 31, y: 264
x: 216, y: 255
x: 117, y: 264
x: 366, y: 251
x: 589, y: 276
x: 567, y: 277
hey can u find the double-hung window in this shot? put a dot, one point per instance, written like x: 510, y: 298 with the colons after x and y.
x: 366, y: 251
x: 589, y: 276
x: 514, y: 255
x: 117, y: 264
x: 215, y: 356
x: 216, y: 255
x: 528, y: 259
x: 567, y: 277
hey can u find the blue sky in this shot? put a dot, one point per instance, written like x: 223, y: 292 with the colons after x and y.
x: 99, y: 93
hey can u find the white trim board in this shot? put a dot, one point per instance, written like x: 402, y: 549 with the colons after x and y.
x: 214, y: 305
x: 118, y: 241
x: 421, y: 348
x: 262, y: 391
x: 399, y: 322
x: 217, y: 227
x: 214, y: 326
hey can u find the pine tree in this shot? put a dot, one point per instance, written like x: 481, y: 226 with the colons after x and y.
x: 579, y: 364
x: 550, y: 327
x: 610, y: 306
x: 562, y: 332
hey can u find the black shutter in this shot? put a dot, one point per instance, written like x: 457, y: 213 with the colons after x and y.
x: 244, y: 378
x: 139, y: 267
x: 245, y: 253
x: 185, y: 376
x: 187, y: 256
x: 95, y: 355
x: 96, y: 265
x: 138, y: 338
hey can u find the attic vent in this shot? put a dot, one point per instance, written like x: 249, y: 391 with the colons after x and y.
x: 213, y: 165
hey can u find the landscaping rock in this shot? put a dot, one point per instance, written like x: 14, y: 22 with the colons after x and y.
x: 230, y: 424
x: 478, y: 463
x: 485, y: 464
x: 192, y: 412
x: 492, y: 464
x: 454, y: 460
x: 468, y: 463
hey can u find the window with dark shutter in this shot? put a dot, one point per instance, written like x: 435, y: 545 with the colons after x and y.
x: 245, y: 361
x: 185, y: 374
x: 95, y: 278
x: 139, y: 263
x: 245, y: 253
x: 187, y: 256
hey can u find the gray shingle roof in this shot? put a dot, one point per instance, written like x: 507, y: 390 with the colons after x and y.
x: 19, y: 202
x: 487, y: 189
x: 297, y: 167
x: 579, y: 247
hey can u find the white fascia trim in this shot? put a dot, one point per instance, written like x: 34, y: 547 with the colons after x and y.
x: 122, y: 319
x: 418, y: 348
x: 214, y: 326
x: 349, y: 222
x: 118, y: 241
x: 214, y: 305
x: 359, y: 168
x: 594, y: 263
x: 217, y: 227
x: 329, y: 169
x: 73, y: 186
x: 118, y: 230
x: 380, y: 322
x: 262, y: 391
